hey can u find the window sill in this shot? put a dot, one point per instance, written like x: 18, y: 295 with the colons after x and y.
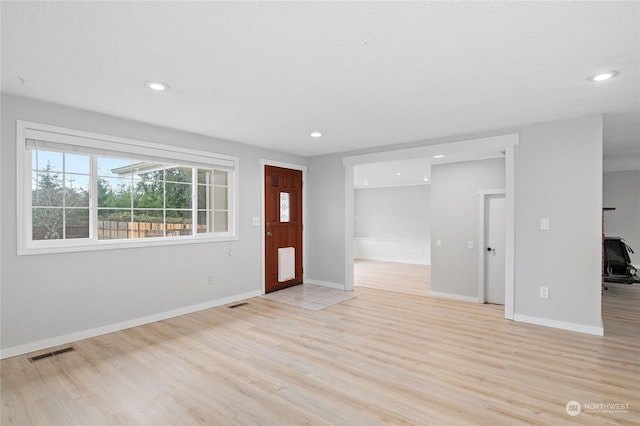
x: 122, y: 244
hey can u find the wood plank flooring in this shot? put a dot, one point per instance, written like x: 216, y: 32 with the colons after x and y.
x: 391, y: 276
x: 380, y: 358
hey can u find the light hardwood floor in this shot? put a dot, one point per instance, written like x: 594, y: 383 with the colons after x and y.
x: 382, y: 357
x: 391, y: 276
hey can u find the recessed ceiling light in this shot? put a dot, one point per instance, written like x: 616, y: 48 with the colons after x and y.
x: 603, y: 76
x: 366, y: 183
x: 438, y: 156
x: 315, y: 134
x: 426, y: 179
x: 398, y: 174
x: 156, y: 85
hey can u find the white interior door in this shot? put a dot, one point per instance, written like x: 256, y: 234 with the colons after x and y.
x: 495, y: 249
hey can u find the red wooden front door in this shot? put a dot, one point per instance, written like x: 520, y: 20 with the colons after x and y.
x: 283, y: 223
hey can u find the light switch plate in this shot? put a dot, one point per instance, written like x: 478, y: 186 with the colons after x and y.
x: 544, y: 224
x: 438, y: 243
x: 256, y: 221
x: 470, y: 244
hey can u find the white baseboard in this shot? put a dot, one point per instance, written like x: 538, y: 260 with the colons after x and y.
x: 85, y: 334
x: 580, y: 328
x: 325, y: 284
x: 453, y: 296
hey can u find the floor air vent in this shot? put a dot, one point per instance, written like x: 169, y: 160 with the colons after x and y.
x: 237, y: 305
x: 50, y: 354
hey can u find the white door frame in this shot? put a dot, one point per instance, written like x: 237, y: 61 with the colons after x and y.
x: 349, y: 231
x: 483, y: 198
x: 505, y: 142
x: 303, y: 168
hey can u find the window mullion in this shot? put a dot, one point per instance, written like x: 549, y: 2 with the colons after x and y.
x: 164, y: 203
x: 194, y: 200
x: 133, y: 215
x: 93, y: 200
x: 208, y: 205
x: 64, y: 197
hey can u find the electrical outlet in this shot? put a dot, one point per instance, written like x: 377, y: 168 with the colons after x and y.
x: 210, y: 280
x: 544, y: 292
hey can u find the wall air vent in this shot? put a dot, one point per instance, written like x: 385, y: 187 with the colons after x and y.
x: 50, y: 354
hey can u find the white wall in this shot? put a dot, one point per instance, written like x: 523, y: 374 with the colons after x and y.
x: 325, y: 220
x: 455, y: 222
x: 622, y: 191
x: 393, y: 224
x: 48, y: 296
x: 558, y: 175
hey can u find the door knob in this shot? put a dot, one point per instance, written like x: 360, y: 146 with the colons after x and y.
x: 269, y: 234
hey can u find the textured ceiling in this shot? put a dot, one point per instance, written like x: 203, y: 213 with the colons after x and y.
x: 364, y: 73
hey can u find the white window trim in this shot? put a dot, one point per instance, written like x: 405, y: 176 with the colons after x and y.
x: 26, y: 246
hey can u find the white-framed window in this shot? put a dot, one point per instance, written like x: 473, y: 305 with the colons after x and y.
x: 82, y: 191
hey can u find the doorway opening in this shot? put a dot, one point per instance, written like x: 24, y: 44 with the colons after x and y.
x: 392, y: 204
x: 464, y: 151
